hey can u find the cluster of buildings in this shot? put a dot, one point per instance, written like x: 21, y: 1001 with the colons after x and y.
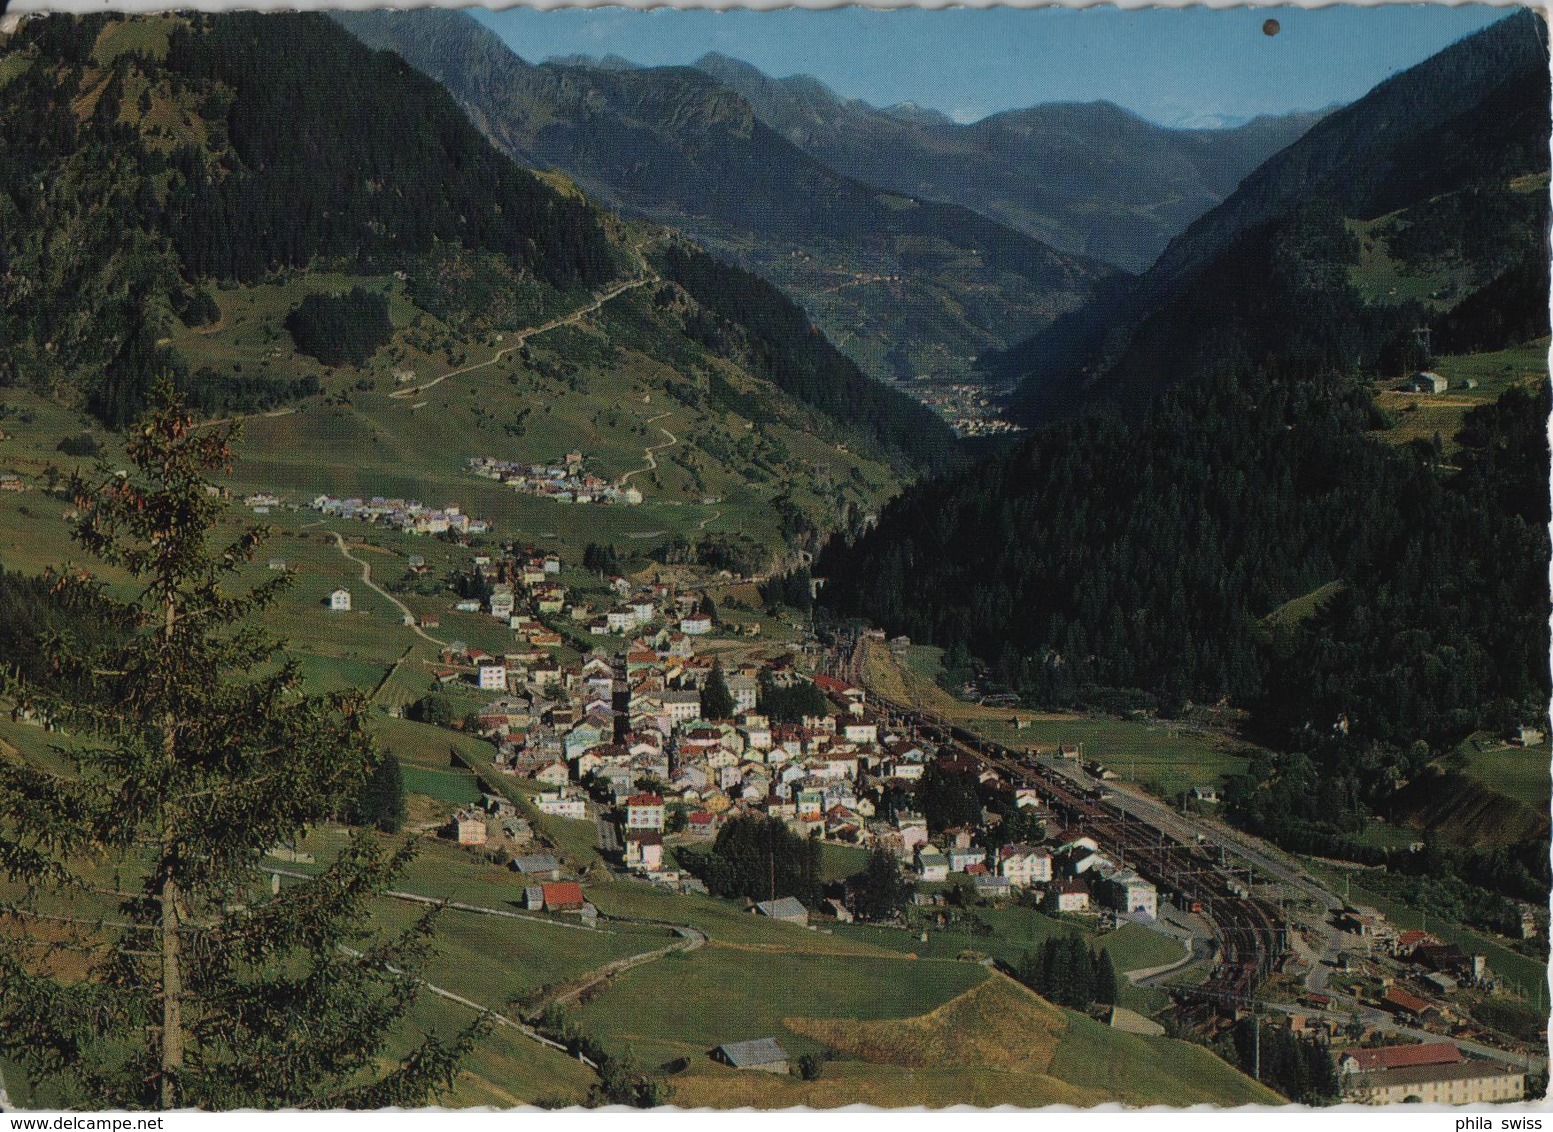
x: 495, y: 824
x: 969, y: 408
x: 627, y: 734
x: 643, y: 609
x: 564, y: 482
x: 1410, y: 974
x: 521, y: 587
x: 408, y: 515
x: 612, y: 722
x: 1066, y: 873
x: 622, y: 738
x: 1427, y: 1072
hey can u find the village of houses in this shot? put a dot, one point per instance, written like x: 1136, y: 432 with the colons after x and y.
x: 623, y: 739
x: 565, y: 481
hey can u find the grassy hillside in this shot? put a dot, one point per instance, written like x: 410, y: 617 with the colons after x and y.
x: 1484, y: 793
x: 582, y: 391
x: 543, y: 309
x: 882, y: 1009
x: 1423, y: 416
x: 992, y: 1043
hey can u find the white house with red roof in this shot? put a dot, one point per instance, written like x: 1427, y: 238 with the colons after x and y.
x: 644, y: 811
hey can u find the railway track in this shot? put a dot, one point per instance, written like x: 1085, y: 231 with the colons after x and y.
x: 1249, y: 934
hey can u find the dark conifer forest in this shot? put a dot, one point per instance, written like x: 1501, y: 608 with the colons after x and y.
x: 1219, y: 518
x: 340, y: 329
x: 746, y: 314
x: 271, y: 170
x: 1102, y: 558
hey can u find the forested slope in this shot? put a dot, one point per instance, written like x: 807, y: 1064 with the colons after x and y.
x: 142, y: 162
x: 1148, y: 559
x: 149, y: 164
x: 1275, y: 271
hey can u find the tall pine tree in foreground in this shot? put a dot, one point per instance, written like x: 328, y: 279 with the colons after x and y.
x: 145, y: 961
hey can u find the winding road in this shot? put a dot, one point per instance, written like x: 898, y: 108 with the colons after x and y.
x: 240, y: 417
x: 648, y: 453
x: 411, y: 622
x: 524, y: 335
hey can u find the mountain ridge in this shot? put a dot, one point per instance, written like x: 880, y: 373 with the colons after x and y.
x: 1239, y: 453
x: 1464, y: 118
x: 905, y: 285
x: 1040, y: 169
x: 218, y: 171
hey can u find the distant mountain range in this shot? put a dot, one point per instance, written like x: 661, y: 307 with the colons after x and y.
x: 905, y: 284
x: 1221, y: 500
x: 1433, y: 174
x: 1088, y: 178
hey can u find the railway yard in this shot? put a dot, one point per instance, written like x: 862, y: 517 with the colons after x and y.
x: 1268, y: 936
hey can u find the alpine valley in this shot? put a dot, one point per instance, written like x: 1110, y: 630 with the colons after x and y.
x: 575, y: 583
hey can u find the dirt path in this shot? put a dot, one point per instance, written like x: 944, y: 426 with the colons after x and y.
x: 497, y: 1018
x: 690, y: 939
x: 411, y: 622
x: 523, y: 336
x: 240, y: 417
x: 649, y: 453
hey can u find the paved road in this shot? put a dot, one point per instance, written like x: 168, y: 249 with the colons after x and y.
x: 1145, y: 976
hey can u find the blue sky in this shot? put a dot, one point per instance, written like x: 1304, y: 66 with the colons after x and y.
x: 1174, y: 67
